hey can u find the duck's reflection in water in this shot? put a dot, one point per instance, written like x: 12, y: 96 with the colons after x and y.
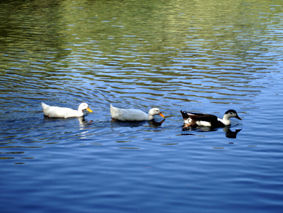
x: 84, y: 123
x: 229, y: 133
x: 152, y: 123
x: 84, y: 130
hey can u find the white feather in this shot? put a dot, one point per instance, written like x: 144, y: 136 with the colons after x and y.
x: 203, y: 123
x: 226, y: 120
x: 63, y: 112
x: 132, y: 114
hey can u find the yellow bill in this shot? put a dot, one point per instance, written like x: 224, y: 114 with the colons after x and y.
x: 162, y: 115
x: 88, y: 109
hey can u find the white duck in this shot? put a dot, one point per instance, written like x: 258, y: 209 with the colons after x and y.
x: 64, y: 112
x: 133, y: 114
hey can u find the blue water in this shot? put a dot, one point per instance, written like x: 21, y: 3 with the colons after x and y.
x: 172, y: 55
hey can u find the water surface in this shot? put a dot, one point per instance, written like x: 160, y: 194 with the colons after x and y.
x: 201, y: 56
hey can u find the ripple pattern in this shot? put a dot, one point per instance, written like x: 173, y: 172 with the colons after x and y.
x: 191, y: 55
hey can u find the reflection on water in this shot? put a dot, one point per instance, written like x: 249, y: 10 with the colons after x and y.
x: 84, y: 123
x: 194, y: 55
x: 151, y: 123
x: 229, y: 133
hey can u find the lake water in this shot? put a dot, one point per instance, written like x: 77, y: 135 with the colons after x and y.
x: 200, y: 56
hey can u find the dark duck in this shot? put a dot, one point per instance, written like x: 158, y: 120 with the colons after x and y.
x: 208, y: 120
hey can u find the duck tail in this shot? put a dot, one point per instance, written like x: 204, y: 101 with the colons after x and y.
x: 112, y: 107
x: 43, y: 105
x: 184, y: 114
x: 112, y: 110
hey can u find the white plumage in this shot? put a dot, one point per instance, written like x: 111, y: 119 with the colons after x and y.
x: 64, y: 112
x: 133, y: 114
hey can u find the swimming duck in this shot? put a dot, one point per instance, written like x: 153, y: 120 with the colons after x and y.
x: 133, y: 114
x: 199, y: 119
x: 64, y: 112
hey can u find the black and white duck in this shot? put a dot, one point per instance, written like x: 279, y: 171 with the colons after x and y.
x: 199, y: 119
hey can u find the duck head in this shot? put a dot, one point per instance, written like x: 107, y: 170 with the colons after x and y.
x: 83, y: 107
x: 231, y: 114
x: 155, y: 111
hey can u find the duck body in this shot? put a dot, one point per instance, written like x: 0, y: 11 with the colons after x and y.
x: 208, y: 120
x: 133, y: 114
x: 64, y: 112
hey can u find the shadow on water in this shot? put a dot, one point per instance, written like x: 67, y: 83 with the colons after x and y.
x: 229, y: 133
x: 132, y: 124
x: 82, y: 120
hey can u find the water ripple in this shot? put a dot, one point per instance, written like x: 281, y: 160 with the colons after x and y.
x: 191, y: 55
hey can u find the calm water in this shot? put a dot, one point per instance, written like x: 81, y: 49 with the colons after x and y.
x: 202, y: 56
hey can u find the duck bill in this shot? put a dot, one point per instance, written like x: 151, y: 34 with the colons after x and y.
x: 88, y: 109
x: 238, y: 117
x: 161, y: 115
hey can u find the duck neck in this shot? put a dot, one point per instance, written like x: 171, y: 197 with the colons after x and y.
x: 225, y: 120
x: 81, y: 112
x: 150, y: 117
